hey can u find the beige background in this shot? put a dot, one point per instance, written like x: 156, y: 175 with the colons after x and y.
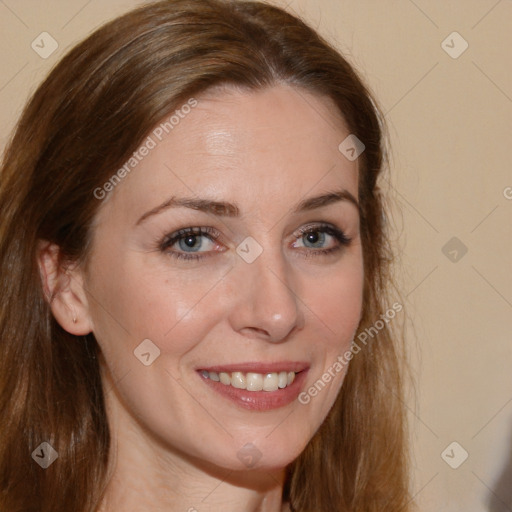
x: 450, y: 125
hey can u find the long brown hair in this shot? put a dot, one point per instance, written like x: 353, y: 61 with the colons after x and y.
x: 81, y: 125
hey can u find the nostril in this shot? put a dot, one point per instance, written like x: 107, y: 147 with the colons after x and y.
x: 255, y: 330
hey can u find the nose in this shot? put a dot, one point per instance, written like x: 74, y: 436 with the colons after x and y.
x: 264, y: 305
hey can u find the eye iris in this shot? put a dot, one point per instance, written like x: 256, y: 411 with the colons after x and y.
x: 314, y: 238
x: 190, y: 242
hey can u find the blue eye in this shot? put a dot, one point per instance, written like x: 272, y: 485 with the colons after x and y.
x: 314, y: 239
x: 322, y: 239
x: 190, y: 241
x: 195, y: 243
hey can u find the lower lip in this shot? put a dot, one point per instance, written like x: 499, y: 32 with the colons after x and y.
x: 259, y: 400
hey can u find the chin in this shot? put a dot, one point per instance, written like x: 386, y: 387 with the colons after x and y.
x: 270, y: 452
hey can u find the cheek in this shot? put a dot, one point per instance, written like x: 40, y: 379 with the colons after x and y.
x: 336, y: 301
x: 132, y: 304
x: 337, y: 307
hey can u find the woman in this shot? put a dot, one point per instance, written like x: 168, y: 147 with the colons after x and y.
x: 193, y: 270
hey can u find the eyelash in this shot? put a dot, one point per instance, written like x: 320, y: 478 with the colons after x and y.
x: 213, y: 235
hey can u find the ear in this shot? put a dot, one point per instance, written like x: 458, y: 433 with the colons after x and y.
x: 64, y: 290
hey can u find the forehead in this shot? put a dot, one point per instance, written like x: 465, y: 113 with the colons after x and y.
x: 277, y: 143
x: 267, y: 122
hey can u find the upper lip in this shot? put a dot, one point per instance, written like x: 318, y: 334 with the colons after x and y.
x: 258, y: 367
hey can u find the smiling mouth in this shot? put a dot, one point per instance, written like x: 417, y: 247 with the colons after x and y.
x: 257, y: 386
x: 252, y: 381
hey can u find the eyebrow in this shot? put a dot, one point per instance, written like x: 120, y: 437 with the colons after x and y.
x: 225, y: 209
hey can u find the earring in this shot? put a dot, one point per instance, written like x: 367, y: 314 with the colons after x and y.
x: 74, y: 316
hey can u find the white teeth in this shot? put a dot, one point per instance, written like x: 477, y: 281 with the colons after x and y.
x: 252, y: 381
x: 238, y: 380
x: 270, y: 382
x: 225, y: 378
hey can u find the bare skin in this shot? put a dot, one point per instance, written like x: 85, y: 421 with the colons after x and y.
x: 176, y: 442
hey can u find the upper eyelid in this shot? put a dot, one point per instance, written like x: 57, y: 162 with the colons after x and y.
x: 215, y: 236
x: 208, y: 230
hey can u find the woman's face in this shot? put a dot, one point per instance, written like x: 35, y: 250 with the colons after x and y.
x: 229, y: 257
